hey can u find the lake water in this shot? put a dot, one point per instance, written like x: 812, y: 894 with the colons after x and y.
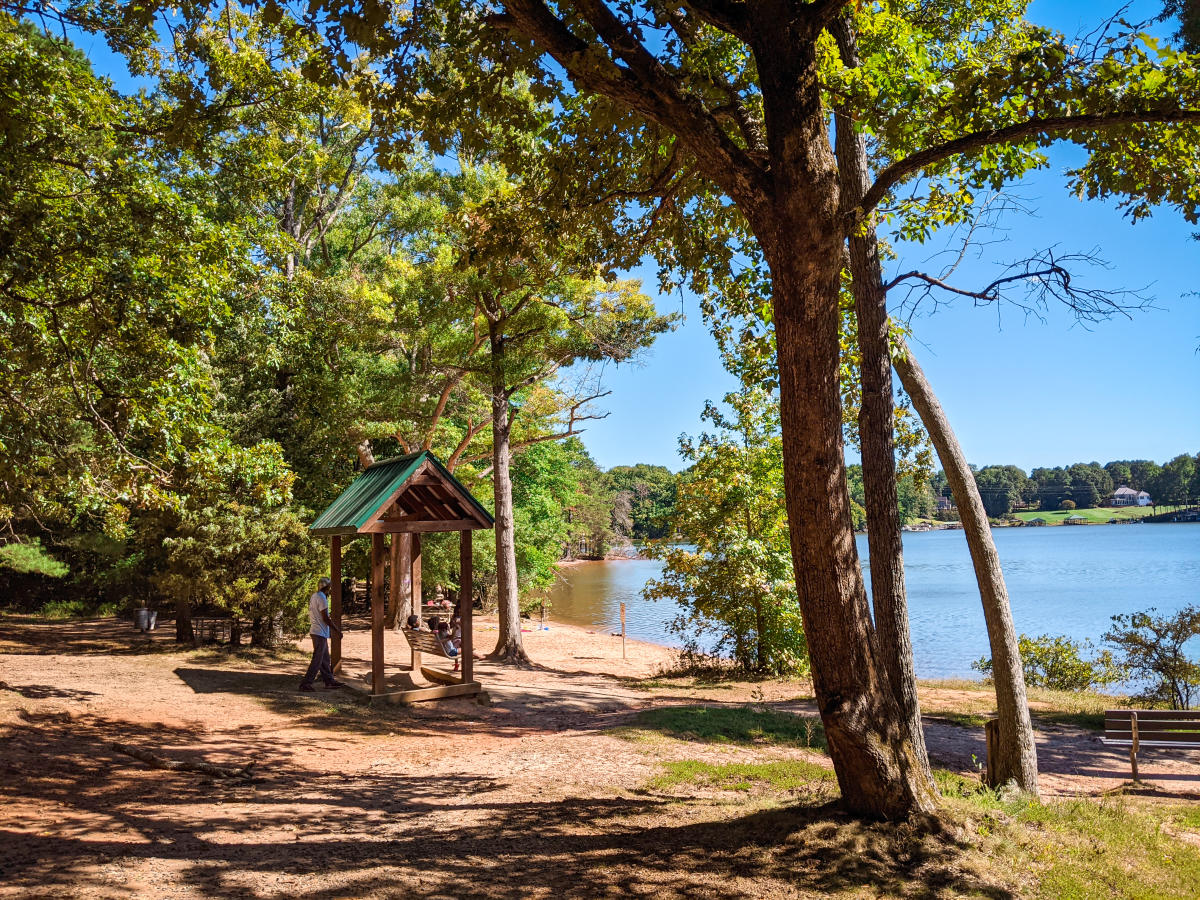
x: 1060, y: 581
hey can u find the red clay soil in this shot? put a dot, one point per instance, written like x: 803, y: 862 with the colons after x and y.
x: 530, y: 796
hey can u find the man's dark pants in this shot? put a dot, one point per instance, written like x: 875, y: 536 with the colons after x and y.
x: 320, y: 662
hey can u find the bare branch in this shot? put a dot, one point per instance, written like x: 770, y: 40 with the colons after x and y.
x: 1044, y: 277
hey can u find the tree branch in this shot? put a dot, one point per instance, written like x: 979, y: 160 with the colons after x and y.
x: 731, y: 16
x: 643, y: 84
x: 1050, y: 126
x: 472, y: 430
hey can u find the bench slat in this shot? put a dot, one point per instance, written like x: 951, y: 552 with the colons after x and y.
x: 425, y: 642
x: 1150, y: 715
x: 1174, y: 745
x: 1165, y: 736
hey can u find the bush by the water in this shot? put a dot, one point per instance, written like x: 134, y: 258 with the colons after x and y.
x: 1056, y: 662
x: 1155, y: 650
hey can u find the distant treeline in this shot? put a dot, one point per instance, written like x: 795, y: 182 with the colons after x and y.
x: 1008, y: 488
x: 638, y: 501
x: 625, y: 503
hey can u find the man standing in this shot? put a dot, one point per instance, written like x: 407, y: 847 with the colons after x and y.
x: 321, y: 625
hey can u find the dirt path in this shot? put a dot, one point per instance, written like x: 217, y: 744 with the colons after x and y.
x: 530, y: 796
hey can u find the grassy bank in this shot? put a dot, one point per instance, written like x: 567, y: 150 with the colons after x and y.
x: 1096, y: 515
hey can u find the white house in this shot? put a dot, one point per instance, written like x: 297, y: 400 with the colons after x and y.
x: 1127, y: 496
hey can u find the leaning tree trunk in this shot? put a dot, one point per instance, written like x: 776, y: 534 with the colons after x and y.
x: 876, y: 419
x: 508, y: 645
x: 1016, y: 755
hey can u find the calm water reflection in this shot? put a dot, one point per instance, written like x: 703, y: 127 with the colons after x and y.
x: 1061, y: 581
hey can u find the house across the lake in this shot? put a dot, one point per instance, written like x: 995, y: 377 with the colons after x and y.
x: 1127, y: 496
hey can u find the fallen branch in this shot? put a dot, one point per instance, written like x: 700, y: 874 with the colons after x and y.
x: 161, y: 762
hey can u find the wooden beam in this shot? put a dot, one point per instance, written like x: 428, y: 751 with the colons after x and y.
x: 430, y: 693
x: 335, y: 600
x: 415, y: 526
x: 377, y: 549
x: 465, y: 578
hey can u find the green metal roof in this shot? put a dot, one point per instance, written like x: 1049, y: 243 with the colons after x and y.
x: 363, y: 500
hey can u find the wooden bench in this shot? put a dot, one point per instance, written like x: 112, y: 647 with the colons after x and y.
x: 1173, y: 729
x: 447, y: 685
x: 425, y: 642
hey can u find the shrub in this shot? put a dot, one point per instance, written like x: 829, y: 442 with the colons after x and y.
x: 1067, y: 504
x: 1054, y: 661
x: 1153, y: 648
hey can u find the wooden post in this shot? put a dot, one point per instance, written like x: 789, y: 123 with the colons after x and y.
x: 622, y: 631
x: 402, y: 572
x: 465, y: 604
x: 416, y: 572
x: 395, y: 608
x: 377, y: 549
x: 335, y: 600
x: 1133, y: 748
x: 414, y: 585
x: 991, y: 731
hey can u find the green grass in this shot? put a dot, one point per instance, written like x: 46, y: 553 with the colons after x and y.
x: 741, y: 725
x: 782, y: 775
x: 1084, y: 848
x: 1100, y: 514
x: 961, y: 719
x: 75, y: 609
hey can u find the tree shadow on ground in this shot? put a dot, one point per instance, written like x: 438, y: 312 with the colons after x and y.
x: 82, y: 637
x: 317, y: 834
x: 47, y: 692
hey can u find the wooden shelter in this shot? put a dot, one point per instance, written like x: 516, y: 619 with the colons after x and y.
x: 404, y: 497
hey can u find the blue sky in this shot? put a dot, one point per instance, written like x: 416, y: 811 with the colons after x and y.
x: 1017, y: 390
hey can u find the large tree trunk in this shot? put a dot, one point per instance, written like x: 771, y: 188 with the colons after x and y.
x: 184, y: 633
x: 880, y: 772
x: 508, y: 644
x: 1016, y: 755
x: 876, y: 421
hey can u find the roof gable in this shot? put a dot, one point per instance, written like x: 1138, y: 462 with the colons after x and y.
x: 411, y: 493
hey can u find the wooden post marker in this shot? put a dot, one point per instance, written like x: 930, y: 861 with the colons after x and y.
x: 622, y: 631
x: 991, y: 732
x: 335, y: 600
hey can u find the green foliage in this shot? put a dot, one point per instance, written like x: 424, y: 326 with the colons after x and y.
x: 735, y: 584
x: 118, y: 266
x: 1155, y: 650
x: 649, y: 493
x: 31, y: 559
x: 1055, y: 662
x: 785, y: 775
x: 740, y: 725
x: 1001, y: 488
x: 1066, y: 504
x: 1176, y: 483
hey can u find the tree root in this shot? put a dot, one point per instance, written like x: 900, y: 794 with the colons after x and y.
x: 175, y: 765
